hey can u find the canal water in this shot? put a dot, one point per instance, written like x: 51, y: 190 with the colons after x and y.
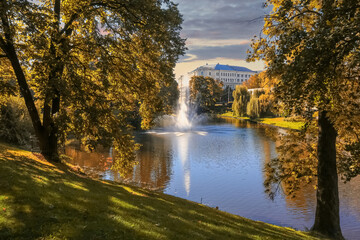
x: 220, y: 164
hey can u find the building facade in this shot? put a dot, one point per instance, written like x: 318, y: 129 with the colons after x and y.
x: 228, y: 75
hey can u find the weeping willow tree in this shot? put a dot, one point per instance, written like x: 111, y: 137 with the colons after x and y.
x: 241, y: 100
x: 313, y: 48
x: 83, y: 66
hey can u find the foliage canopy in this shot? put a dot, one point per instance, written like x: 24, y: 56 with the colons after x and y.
x: 313, y: 48
x: 84, y: 66
x: 205, y: 92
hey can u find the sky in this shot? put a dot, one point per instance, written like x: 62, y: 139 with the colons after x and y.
x: 219, y: 31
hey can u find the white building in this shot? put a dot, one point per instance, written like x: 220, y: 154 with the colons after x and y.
x: 228, y: 75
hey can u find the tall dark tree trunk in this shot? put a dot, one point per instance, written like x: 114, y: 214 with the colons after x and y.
x: 45, y: 135
x: 327, y: 219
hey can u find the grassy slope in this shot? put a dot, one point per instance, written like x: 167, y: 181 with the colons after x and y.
x: 40, y: 200
x: 279, y: 122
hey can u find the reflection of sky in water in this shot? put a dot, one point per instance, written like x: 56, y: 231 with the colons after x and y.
x: 221, y: 164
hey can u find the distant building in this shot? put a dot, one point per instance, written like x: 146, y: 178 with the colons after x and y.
x: 228, y: 75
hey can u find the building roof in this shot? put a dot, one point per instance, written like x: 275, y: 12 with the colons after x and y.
x: 231, y: 68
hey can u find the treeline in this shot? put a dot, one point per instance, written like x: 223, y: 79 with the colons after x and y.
x: 205, y: 92
x: 208, y: 95
x: 253, y: 104
x: 256, y: 103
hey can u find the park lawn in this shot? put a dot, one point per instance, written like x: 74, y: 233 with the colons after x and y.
x: 279, y: 121
x: 40, y: 200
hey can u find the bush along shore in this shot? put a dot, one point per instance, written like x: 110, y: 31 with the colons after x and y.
x: 40, y: 200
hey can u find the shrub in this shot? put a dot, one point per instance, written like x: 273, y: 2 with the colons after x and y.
x: 15, y: 123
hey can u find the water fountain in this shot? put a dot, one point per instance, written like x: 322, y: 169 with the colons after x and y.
x: 186, y: 116
x: 186, y: 119
x: 183, y: 117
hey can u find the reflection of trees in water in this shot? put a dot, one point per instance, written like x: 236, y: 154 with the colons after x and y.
x: 241, y: 123
x: 296, y: 163
x: 292, y: 171
x: 299, y: 163
x: 154, y: 167
x: 304, y: 201
x: 152, y: 170
x: 349, y: 195
x: 305, y: 198
x: 100, y: 159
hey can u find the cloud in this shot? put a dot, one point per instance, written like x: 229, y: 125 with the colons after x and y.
x: 228, y: 51
x: 222, y: 19
x: 219, y: 31
x: 188, y: 57
x: 200, y: 42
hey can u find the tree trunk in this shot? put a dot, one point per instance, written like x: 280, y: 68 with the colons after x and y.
x: 327, y: 219
x: 44, y: 135
x: 46, y: 132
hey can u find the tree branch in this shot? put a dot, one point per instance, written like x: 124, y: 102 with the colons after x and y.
x: 68, y: 24
x: 120, y: 5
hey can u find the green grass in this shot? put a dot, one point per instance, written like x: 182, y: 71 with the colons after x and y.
x: 39, y: 200
x: 279, y: 121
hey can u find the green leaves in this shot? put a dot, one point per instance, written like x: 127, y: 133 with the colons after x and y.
x: 92, y: 64
x: 205, y: 91
x: 312, y: 47
x: 241, y: 100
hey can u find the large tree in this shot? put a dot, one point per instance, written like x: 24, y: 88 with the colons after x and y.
x: 241, y: 99
x: 312, y: 46
x: 205, y: 92
x: 82, y: 66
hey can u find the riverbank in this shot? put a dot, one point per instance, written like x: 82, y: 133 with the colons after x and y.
x: 42, y: 200
x: 278, y: 122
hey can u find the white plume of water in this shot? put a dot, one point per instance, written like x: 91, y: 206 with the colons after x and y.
x: 183, y: 121
x: 186, y: 118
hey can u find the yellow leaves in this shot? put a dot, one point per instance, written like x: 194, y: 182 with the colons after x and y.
x: 315, y: 4
x: 276, y: 4
x: 353, y: 168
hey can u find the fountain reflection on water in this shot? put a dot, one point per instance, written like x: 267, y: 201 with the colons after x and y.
x: 182, y: 125
x: 183, y: 145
